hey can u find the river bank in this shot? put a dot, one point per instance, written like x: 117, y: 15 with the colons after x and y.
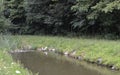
x: 104, y: 52
x: 57, y: 64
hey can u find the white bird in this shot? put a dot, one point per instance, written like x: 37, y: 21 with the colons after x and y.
x: 113, y: 68
x: 66, y: 53
x: 53, y: 50
x: 46, y: 53
x: 45, y: 48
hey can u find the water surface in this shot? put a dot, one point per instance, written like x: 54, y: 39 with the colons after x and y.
x: 53, y: 64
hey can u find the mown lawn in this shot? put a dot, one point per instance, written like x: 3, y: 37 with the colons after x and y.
x: 92, y: 49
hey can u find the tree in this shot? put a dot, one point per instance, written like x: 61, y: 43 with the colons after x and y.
x: 98, y: 16
x: 4, y: 23
x: 16, y: 14
x: 49, y: 16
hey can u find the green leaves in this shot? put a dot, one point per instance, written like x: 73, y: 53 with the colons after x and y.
x: 78, y: 24
x: 4, y: 23
x: 56, y: 16
x: 107, y: 6
x: 111, y: 6
x: 99, y: 14
x: 82, y: 5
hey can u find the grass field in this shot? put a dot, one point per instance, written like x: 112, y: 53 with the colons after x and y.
x: 92, y: 49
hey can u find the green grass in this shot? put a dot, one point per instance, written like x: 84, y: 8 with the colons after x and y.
x: 8, y: 67
x: 92, y: 49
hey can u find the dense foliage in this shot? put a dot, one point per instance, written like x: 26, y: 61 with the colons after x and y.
x: 98, y: 16
x: 15, y: 12
x: 64, y: 16
x: 49, y: 16
x: 4, y: 23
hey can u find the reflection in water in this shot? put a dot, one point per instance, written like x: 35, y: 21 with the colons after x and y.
x: 53, y: 64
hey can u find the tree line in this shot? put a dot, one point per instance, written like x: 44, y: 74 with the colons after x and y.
x: 61, y: 17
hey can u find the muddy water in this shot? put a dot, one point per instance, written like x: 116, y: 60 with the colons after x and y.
x: 53, y: 64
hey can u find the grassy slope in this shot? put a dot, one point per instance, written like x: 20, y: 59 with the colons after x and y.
x: 7, y: 65
x: 92, y: 49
